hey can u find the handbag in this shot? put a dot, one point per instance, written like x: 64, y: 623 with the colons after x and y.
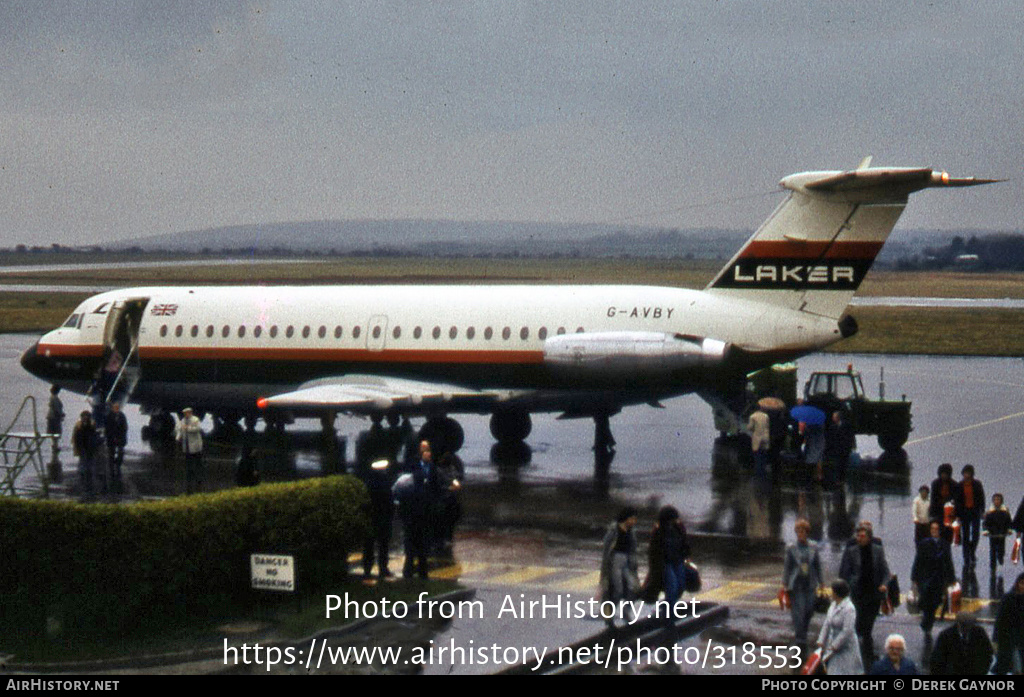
x: 785, y: 602
x: 893, y: 592
x: 692, y: 574
x: 813, y: 665
x: 822, y: 601
x: 913, y: 603
x: 954, y: 592
x: 1015, y: 552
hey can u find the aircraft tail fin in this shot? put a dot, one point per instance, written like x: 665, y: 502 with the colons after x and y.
x: 815, y: 249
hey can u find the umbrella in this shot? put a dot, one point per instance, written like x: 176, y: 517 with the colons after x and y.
x: 805, y: 413
x: 771, y: 403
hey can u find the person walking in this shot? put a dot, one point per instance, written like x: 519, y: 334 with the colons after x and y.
x: 840, y: 651
x: 190, y: 436
x: 801, y: 578
x: 962, y: 649
x: 931, y: 573
x: 117, y: 438
x: 667, y: 555
x: 944, y: 490
x: 922, y: 521
x: 85, y: 442
x: 970, y: 505
x: 864, y: 567
x: 55, y: 413
x: 619, y: 565
x: 996, y: 526
x: 1009, y: 631
x: 760, y: 440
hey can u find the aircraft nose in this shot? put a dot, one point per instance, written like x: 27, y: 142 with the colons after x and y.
x: 32, y: 361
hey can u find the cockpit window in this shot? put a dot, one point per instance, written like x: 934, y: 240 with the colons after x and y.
x: 74, y: 321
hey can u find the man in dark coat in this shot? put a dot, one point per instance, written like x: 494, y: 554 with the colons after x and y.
x: 85, y: 442
x: 962, y: 649
x: 117, y: 438
x: 944, y: 489
x: 864, y: 568
x: 1009, y: 630
x: 970, y: 507
x: 931, y: 573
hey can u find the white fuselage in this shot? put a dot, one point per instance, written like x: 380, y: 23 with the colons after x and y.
x: 224, y: 346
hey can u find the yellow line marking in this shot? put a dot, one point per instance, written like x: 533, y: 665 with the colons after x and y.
x: 584, y: 583
x: 458, y: 570
x: 731, y: 590
x: 966, y: 428
x: 523, y: 575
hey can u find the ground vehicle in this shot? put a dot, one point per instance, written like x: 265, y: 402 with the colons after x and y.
x: 890, y: 421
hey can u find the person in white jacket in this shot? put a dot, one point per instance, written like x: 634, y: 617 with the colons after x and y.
x: 840, y: 649
x: 190, y: 435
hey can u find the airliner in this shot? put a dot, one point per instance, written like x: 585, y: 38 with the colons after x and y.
x: 584, y: 351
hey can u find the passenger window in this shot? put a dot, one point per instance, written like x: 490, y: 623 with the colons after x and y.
x: 305, y: 332
x: 524, y: 333
x: 579, y: 330
x: 241, y: 331
x: 209, y: 331
x: 163, y: 330
x: 178, y: 330
x: 561, y: 330
x: 376, y: 332
x: 417, y: 332
x: 397, y: 332
x: 488, y: 333
x: 437, y: 332
x: 470, y: 333
x: 337, y: 332
x: 257, y: 330
x: 543, y: 333
x: 290, y: 331
x: 506, y: 333
x: 225, y: 331
x: 195, y: 330
x: 322, y: 331
x: 453, y: 332
x: 356, y: 331
x: 273, y: 332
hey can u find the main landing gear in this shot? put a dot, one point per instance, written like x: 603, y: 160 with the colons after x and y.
x: 444, y: 433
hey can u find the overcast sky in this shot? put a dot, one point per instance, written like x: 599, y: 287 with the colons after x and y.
x: 122, y: 120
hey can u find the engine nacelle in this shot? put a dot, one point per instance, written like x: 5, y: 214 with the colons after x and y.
x: 626, y: 354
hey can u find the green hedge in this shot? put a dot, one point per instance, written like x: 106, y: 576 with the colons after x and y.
x: 118, y: 565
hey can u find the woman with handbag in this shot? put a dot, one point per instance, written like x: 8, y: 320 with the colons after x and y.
x: 801, y: 578
x: 838, y: 637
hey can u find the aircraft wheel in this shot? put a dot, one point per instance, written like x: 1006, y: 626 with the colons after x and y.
x: 444, y: 433
x: 509, y: 426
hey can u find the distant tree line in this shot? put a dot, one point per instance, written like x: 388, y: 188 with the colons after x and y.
x: 995, y: 252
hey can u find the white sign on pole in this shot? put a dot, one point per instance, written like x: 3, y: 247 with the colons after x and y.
x: 272, y: 572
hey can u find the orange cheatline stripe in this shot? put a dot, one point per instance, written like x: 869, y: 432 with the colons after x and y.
x: 307, y: 354
x: 790, y: 249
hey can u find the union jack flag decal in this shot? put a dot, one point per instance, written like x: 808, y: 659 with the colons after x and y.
x: 164, y: 310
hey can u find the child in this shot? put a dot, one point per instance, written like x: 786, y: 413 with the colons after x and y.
x: 922, y: 520
x: 997, y: 525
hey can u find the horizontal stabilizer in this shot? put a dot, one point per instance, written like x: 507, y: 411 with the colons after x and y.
x: 883, y: 183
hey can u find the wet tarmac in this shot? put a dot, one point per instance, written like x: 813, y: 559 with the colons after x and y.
x: 966, y: 410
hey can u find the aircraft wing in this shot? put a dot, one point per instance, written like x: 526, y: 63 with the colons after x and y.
x: 374, y: 393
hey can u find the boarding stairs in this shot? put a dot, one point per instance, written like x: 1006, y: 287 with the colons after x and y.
x: 24, y: 448
x: 127, y: 377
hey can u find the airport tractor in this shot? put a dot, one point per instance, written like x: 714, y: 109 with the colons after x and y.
x: 888, y: 420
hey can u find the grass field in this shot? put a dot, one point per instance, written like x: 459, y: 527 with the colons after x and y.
x: 992, y: 332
